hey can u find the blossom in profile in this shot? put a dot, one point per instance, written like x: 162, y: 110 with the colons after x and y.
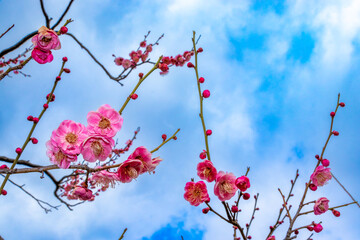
x: 321, y: 206
x: 321, y: 176
x: 196, y: 193
x: 129, y: 170
x: 97, y: 147
x: 154, y: 163
x: 206, y: 171
x: 41, y: 56
x: 225, y: 187
x: 243, y: 183
x: 105, y: 121
x: 104, y: 179
x: 46, y: 39
x: 142, y: 154
x: 57, y: 156
x: 69, y: 136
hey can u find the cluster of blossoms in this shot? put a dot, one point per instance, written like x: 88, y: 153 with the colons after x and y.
x: 135, y: 56
x: 44, y: 42
x: 178, y: 61
x: 226, y: 185
x: 95, y: 142
x: 5, y: 63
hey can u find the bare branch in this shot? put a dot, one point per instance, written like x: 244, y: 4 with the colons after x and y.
x: 7, y: 31
x: 47, y: 20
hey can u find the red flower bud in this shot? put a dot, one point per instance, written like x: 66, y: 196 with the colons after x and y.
x: 64, y: 59
x: 318, y: 228
x: 342, y: 104
x: 63, y: 30
x: 200, y: 50
x: 3, y: 167
x: 52, y: 97
x: 163, y: 137
x: 141, y: 75
x: 3, y: 192
x: 190, y: 65
x: 310, y: 228
x: 206, y: 210
x: 35, y: 120
x: 58, y: 78
x: 30, y: 118
x: 336, y: 213
x: 325, y: 162
x: 201, y: 80
x: 336, y: 133
x: 34, y: 140
x: 312, y: 187
x: 246, y: 196
x: 206, y: 93
x: 332, y: 114
x: 134, y: 96
x: 66, y: 70
x: 203, y: 154
x: 46, y: 105
x: 18, y: 150
x: 208, y: 132
x: 234, y: 209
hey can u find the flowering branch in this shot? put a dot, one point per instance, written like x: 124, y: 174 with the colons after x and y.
x: 164, y: 142
x: 285, y: 205
x: 253, y: 214
x: 35, y: 122
x: 201, y: 115
x: 332, y: 208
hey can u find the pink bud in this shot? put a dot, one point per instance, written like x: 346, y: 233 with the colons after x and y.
x: 35, y: 120
x: 318, y: 228
x: 249, y: 237
x: 134, y: 96
x: 46, y: 105
x: 317, y: 156
x: 190, y: 65
x: 342, y: 104
x: 65, y: 59
x: 175, y: 137
x: 58, y: 78
x: 336, y: 133
x: 30, y: 118
x: 325, y: 162
x: 234, y: 209
x: 34, y: 140
x: 3, y: 192
x: 336, y: 213
x: 163, y: 137
x: 206, y: 210
x: 66, y: 70
x: 310, y: 228
x: 18, y: 150
x: 203, y: 154
x: 296, y: 232
x: 206, y: 93
x: 312, y: 187
x: 246, y: 196
x: 141, y: 75
x: 200, y: 50
x: 3, y: 167
x: 201, y: 80
x: 143, y: 44
x: 208, y: 132
x: 63, y: 30
x: 332, y: 114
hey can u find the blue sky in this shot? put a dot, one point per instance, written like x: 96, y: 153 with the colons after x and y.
x: 274, y: 69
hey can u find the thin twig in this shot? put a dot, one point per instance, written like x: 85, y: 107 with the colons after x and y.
x: 7, y: 31
x: 47, y: 20
x: 122, y: 235
x: 345, y: 189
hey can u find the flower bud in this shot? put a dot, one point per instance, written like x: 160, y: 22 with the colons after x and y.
x: 206, y: 210
x: 30, y: 118
x: 208, y: 132
x: 336, y: 213
x: 46, y: 105
x: 332, y: 114
x: 18, y: 150
x: 325, y: 162
x: 206, y: 93
x: 342, y: 104
x: 35, y: 120
x: 66, y: 70
x: 63, y: 30
x: 201, y: 80
x: 34, y: 140
x: 141, y: 75
x: 200, y: 50
x: 234, y: 209
x: 190, y: 65
x: 134, y: 96
x: 246, y: 196
x: 3, y: 192
x: 3, y: 167
x: 65, y: 59
x: 336, y: 133
x: 318, y: 228
x: 58, y: 78
x: 312, y: 187
x: 52, y: 97
x: 203, y: 154
x: 163, y: 137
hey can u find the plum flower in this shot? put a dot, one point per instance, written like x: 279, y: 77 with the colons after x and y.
x: 69, y: 136
x: 97, y: 147
x: 58, y: 157
x: 242, y: 183
x: 142, y: 154
x: 129, y: 170
x: 196, y: 193
x: 321, y: 176
x: 104, y: 179
x: 41, y: 56
x: 225, y: 187
x: 46, y: 39
x: 105, y: 121
x: 206, y: 171
x: 321, y: 206
x: 154, y: 163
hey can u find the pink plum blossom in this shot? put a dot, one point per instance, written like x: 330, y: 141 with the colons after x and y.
x: 225, y: 187
x: 57, y: 156
x: 321, y: 206
x: 97, y: 147
x: 104, y: 179
x: 320, y: 176
x: 105, y: 121
x: 41, y: 56
x: 154, y: 163
x: 196, y: 193
x: 206, y: 171
x: 118, y: 61
x: 129, y: 170
x: 83, y: 194
x: 126, y: 63
x: 242, y: 183
x: 142, y: 154
x: 69, y: 136
x: 46, y: 39
x: 271, y: 238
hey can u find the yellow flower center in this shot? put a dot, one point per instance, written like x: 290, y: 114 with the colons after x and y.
x: 97, y: 148
x: 104, y: 123
x: 71, y: 138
